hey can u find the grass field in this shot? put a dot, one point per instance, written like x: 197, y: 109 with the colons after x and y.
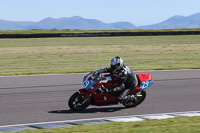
x: 175, y: 125
x: 83, y: 54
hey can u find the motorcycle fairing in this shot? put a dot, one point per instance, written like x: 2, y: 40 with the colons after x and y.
x: 144, y: 77
x: 112, y: 82
x: 144, y: 81
x: 84, y: 92
x: 101, y: 99
x: 87, y: 84
x: 145, y: 84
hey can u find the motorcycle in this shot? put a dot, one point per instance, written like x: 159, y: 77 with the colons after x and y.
x: 93, y: 94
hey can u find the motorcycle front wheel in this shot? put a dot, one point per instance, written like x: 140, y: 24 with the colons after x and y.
x: 139, y: 98
x: 77, y: 102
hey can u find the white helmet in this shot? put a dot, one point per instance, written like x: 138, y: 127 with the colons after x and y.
x: 116, y: 63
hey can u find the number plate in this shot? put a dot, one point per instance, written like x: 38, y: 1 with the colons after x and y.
x: 87, y: 84
x: 145, y: 84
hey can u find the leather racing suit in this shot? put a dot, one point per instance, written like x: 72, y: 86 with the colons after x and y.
x: 127, y: 81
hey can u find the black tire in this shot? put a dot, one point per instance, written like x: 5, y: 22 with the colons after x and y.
x: 135, y: 103
x: 76, y: 100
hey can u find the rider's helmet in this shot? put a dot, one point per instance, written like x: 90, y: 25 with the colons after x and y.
x: 116, y: 64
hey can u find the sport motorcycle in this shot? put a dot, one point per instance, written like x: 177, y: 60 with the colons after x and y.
x: 93, y: 94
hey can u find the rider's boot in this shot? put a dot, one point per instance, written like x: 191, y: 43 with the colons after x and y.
x: 124, y: 97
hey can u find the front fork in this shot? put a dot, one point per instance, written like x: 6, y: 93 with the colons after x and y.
x: 86, y: 94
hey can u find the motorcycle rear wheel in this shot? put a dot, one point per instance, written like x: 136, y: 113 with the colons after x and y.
x: 76, y: 102
x: 136, y: 102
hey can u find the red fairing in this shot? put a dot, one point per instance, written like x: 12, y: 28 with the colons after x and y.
x: 94, y: 87
x: 144, y: 77
x: 141, y: 78
x: 112, y: 82
x: 104, y: 99
x: 84, y: 92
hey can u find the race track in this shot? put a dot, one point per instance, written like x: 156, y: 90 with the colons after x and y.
x: 44, y: 98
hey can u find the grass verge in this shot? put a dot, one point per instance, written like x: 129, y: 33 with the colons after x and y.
x: 83, y: 54
x: 172, y: 125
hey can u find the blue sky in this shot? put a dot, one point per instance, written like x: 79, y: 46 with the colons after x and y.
x: 138, y: 12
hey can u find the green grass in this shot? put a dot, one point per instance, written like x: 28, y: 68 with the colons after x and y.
x: 83, y: 54
x: 175, y: 125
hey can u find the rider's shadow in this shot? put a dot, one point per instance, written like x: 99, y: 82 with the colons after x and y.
x: 88, y: 110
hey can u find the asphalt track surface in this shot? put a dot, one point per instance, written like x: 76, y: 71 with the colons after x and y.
x: 44, y: 98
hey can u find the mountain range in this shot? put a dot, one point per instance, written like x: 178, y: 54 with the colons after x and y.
x: 77, y: 22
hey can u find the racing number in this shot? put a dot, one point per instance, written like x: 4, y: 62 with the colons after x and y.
x: 86, y: 82
x: 144, y: 84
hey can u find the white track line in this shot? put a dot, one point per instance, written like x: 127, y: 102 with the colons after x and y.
x: 118, y: 118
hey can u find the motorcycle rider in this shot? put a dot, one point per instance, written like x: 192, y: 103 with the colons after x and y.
x: 127, y: 79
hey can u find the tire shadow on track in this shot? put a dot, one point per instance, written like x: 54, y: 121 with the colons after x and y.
x: 89, y: 110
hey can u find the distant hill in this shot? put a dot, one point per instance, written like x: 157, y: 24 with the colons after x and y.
x: 80, y: 23
x: 13, y: 25
x: 177, y: 22
x: 65, y: 23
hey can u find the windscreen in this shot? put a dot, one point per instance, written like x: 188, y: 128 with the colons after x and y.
x: 94, y: 77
